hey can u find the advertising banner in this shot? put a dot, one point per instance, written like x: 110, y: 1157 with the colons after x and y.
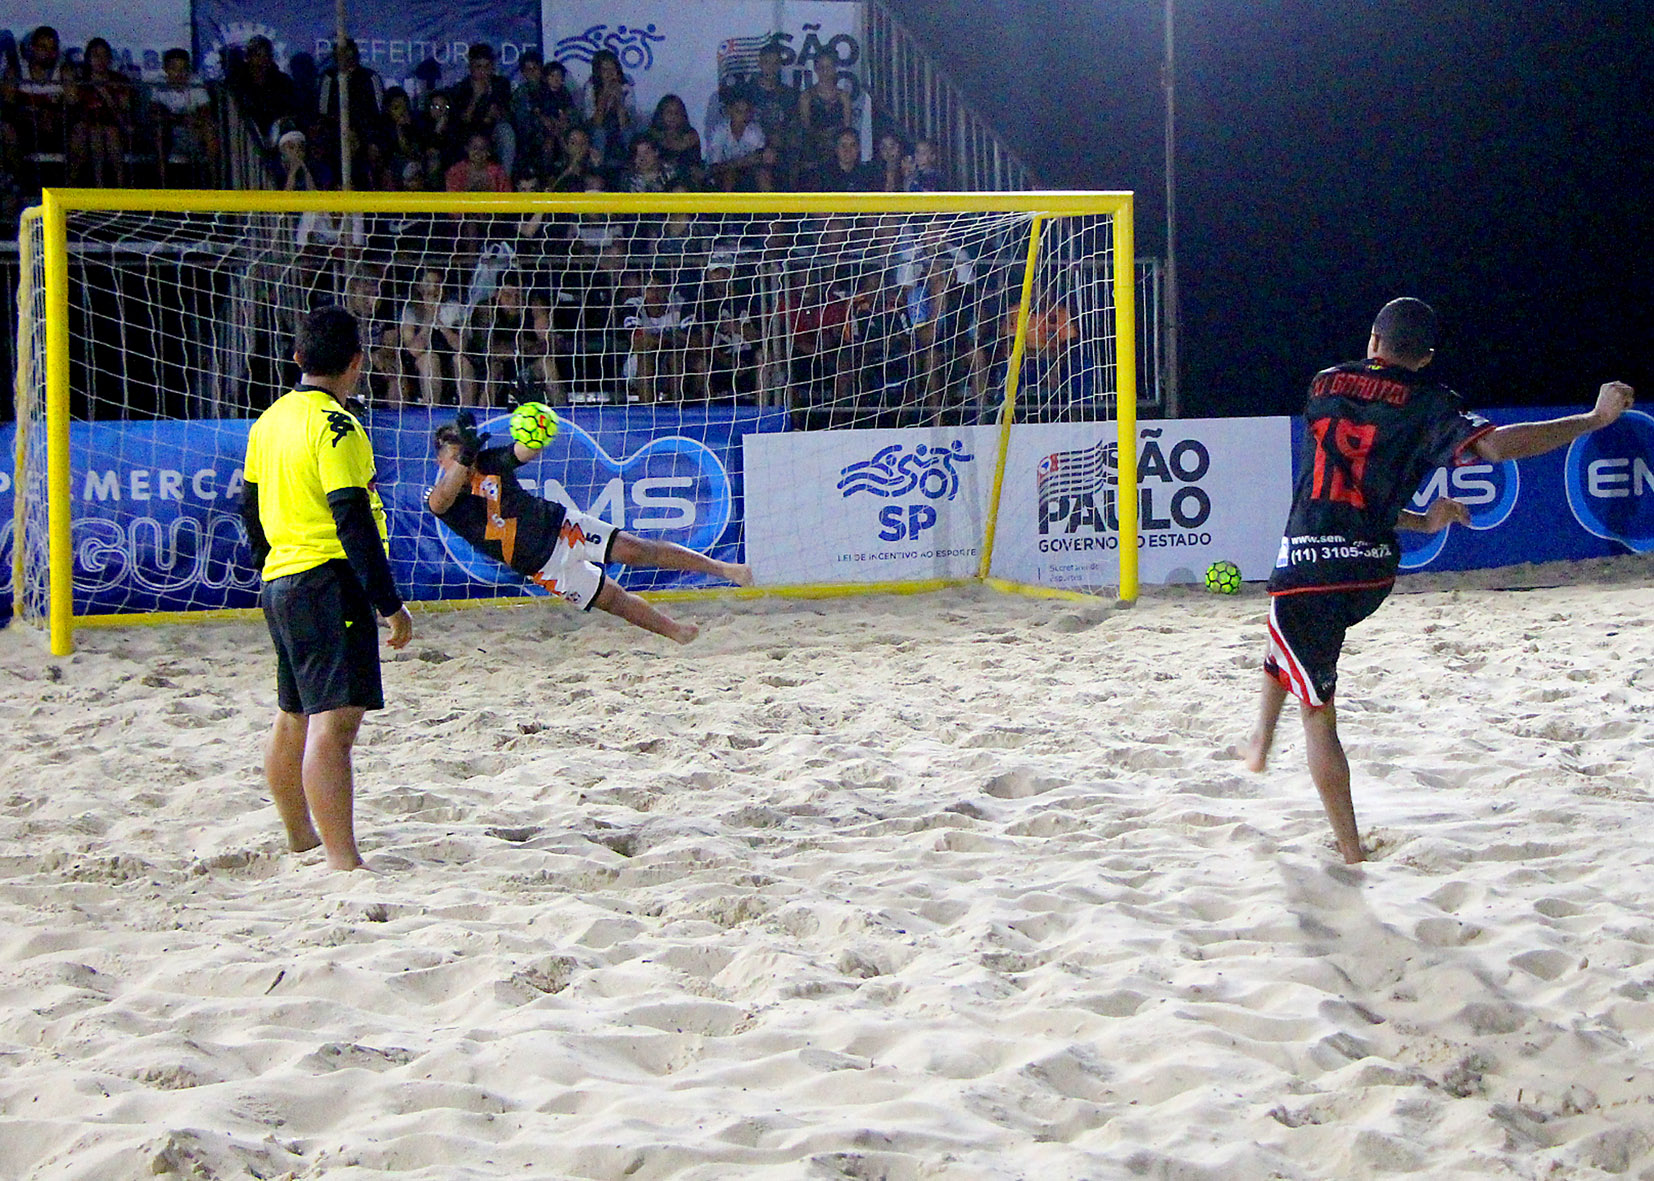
x: 1209, y: 489
x: 1592, y: 499
x: 8, y: 504
x: 689, y: 47
x: 138, y: 33
x: 868, y: 506
x: 676, y: 477
x: 156, y: 522
x: 892, y: 505
x: 156, y: 512
x: 394, y: 41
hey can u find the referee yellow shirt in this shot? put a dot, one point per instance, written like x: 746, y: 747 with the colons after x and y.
x: 299, y: 450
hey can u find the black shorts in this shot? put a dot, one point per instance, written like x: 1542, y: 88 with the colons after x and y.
x: 327, y: 640
x: 1306, y: 635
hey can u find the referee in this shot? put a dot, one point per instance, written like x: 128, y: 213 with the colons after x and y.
x: 318, y: 533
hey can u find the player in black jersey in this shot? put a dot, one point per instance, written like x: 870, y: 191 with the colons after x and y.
x: 478, y: 497
x: 1376, y: 428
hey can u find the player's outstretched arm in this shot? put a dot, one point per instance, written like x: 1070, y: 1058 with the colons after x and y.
x: 456, y: 461
x: 1522, y: 439
x: 453, y: 480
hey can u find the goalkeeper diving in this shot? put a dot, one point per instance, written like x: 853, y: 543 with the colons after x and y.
x: 478, y: 497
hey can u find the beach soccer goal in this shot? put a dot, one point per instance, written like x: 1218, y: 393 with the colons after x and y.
x: 852, y: 392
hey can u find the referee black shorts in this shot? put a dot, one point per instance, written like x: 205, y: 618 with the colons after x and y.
x: 1306, y: 636
x: 327, y: 640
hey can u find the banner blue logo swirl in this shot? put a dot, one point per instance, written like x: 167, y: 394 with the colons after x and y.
x: 928, y: 470
x: 677, y: 488
x: 1608, y: 478
x: 1489, y: 490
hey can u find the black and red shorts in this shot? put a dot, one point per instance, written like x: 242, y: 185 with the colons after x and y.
x: 1306, y: 635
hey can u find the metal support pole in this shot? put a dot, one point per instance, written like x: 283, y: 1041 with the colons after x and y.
x: 342, y: 81
x: 1173, y: 403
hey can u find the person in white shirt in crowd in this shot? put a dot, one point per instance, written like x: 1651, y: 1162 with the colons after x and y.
x: 735, y: 150
x: 186, y: 135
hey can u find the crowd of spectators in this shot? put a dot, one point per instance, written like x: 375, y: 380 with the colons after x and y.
x: 84, y: 120
x: 486, y: 309
x: 550, y: 133
x: 845, y: 319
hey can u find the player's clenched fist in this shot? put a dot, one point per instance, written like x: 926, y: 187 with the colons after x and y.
x: 1613, y: 400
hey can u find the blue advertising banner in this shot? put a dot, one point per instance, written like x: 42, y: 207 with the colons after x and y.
x: 8, y: 460
x: 394, y: 40
x: 157, y: 523
x: 1592, y: 499
x: 677, y: 480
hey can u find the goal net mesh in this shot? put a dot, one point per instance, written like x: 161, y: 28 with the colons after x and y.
x: 670, y: 339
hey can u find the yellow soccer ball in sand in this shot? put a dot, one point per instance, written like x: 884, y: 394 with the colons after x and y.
x: 534, y: 424
x: 1223, y: 577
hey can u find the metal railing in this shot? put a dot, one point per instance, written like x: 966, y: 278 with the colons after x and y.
x: 925, y: 104
x: 249, y: 163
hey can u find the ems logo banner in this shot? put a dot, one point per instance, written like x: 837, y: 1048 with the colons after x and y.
x: 156, y: 505
x: 1606, y: 480
x: 1609, y: 481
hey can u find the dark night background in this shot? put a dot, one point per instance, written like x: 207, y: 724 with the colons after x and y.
x: 1492, y: 158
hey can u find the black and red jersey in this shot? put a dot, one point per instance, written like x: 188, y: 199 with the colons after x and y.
x: 1373, y: 431
x: 501, y: 518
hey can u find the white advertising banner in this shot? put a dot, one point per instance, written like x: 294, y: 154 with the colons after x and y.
x: 867, y: 506
x: 138, y: 33
x: 1208, y: 489
x: 683, y: 47
x: 893, y: 505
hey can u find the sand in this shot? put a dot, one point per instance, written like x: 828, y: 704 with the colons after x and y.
x: 951, y: 886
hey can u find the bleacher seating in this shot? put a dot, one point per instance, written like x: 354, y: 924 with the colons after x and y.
x: 261, y: 129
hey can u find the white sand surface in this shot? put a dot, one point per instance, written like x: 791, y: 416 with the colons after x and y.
x: 948, y: 886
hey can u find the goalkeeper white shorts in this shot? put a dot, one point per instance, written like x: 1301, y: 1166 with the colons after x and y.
x: 574, y: 572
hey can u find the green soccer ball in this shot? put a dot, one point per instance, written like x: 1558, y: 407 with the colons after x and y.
x: 1223, y: 578
x: 534, y: 424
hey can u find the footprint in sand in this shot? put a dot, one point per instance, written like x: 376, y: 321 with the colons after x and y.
x: 1020, y: 783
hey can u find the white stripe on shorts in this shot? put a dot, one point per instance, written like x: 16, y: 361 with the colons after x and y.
x: 1299, y: 683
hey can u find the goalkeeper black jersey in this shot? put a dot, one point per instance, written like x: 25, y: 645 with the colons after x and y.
x: 501, y: 518
x: 1373, y: 432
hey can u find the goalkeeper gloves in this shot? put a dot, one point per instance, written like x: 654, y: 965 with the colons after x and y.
x: 470, y: 442
x: 524, y: 386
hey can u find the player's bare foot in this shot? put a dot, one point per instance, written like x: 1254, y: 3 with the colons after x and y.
x: 738, y: 573
x: 683, y: 633
x: 1253, y: 753
x: 302, y: 842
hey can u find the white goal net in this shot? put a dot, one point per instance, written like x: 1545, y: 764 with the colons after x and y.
x: 682, y: 338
